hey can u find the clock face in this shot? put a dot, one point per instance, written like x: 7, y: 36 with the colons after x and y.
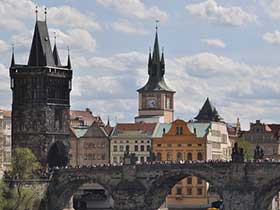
x: 151, y: 102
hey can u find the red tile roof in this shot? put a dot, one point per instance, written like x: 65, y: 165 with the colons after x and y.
x: 85, y: 116
x: 146, y: 127
x: 275, y: 128
x: 6, y: 113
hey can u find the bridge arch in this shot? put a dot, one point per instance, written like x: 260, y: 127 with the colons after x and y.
x: 163, y: 184
x: 66, y: 182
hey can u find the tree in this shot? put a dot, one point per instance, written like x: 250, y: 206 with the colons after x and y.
x: 3, y: 189
x: 247, y: 148
x: 24, y: 164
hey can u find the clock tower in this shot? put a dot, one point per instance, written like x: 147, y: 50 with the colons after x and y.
x: 156, y: 99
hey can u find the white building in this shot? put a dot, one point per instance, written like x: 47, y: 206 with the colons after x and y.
x: 132, y: 137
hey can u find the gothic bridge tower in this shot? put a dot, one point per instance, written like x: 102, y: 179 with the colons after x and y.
x: 156, y: 99
x: 41, y: 101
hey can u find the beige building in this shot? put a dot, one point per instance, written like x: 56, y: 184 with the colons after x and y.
x: 5, y: 140
x: 132, y: 137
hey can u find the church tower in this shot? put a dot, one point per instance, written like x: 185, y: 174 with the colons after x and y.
x: 156, y: 99
x: 41, y: 101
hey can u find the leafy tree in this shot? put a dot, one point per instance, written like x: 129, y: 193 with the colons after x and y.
x: 20, y: 196
x: 3, y: 189
x: 247, y: 148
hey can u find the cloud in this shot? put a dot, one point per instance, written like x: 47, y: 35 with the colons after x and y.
x: 232, y: 16
x: 3, y: 46
x: 214, y: 43
x: 14, y: 13
x: 135, y: 8
x: 272, y: 8
x: 126, y: 27
x: 71, y: 17
x: 272, y: 37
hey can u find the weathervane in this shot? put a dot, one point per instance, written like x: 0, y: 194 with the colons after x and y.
x: 54, y: 36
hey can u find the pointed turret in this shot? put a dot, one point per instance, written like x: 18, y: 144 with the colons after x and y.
x: 208, y: 113
x: 41, y: 52
x: 108, y: 122
x: 156, y: 53
x: 69, y: 66
x: 156, y: 70
x: 56, y: 56
x: 13, y: 57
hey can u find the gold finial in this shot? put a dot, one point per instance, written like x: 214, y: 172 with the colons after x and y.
x: 46, y: 12
x: 157, y: 22
x: 36, y: 11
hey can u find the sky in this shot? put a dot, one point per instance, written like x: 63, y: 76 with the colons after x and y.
x: 227, y: 50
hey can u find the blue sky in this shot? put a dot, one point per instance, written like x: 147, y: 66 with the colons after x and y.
x: 227, y: 50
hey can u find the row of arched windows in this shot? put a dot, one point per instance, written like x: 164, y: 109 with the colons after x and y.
x: 179, y: 156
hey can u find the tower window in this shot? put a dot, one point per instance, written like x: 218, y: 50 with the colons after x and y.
x: 58, y: 119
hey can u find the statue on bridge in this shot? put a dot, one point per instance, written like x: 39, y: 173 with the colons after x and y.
x: 237, y: 154
x: 258, y: 154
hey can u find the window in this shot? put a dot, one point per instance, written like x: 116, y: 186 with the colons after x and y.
x: 199, y: 156
x: 159, y: 145
x: 103, y: 156
x: 136, y: 148
x: 169, y: 145
x: 115, y: 159
x: 199, y: 181
x: 93, y: 157
x: 163, y: 131
x: 179, y: 145
x: 189, y: 156
x: 121, y: 148
x: 179, y: 156
x: 199, y: 191
x: 189, y: 145
x: 142, y: 159
x: 189, y: 191
x: 142, y: 148
x: 158, y: 157
x: 148, y: 148
x: 189, y: 180
x: 169, y: 156
x: 115, y: 148
x: 200, y: 145
x: 179, y: 191
x: 127, y: 148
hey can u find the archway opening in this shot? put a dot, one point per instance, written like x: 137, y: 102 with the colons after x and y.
x: 92, y: 196
x: 192, y: 192
x: 58, y: 155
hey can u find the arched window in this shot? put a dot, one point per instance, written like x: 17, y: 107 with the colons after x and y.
x: 189, y: 156
x: 179, y: 156
x: 169, y: 156
x: 127, y: 148
x: 158, y: 158
x: 199, y: 156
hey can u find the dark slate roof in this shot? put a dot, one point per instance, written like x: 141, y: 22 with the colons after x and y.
x: 208, y: 113
x: 56, y: 56
x: 156, y: 70
x: 41, y: 52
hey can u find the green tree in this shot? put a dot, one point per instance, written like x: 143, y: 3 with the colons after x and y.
x: 3, y: 189
x: 21, y: 196
x: 247, y: 148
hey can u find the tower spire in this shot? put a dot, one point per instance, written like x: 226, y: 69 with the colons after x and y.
x: 13, y: 55
x: 69, y: 60
x: 156, y: 56
x: 55, y: 53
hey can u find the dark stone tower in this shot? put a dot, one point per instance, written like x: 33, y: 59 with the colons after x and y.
x: 41, y: 101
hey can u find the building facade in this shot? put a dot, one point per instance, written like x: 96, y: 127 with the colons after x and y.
x: 156, y: 99
x: 5, y: 140
x: 132, y: 138
x: 41, y: 101
x: 209, y: 124
x: 267, y: 136
x: 175, y: 142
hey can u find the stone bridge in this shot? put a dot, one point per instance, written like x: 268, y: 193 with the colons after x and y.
x: 246, y: 186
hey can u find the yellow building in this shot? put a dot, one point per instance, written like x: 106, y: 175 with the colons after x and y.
x: 174, y: 142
